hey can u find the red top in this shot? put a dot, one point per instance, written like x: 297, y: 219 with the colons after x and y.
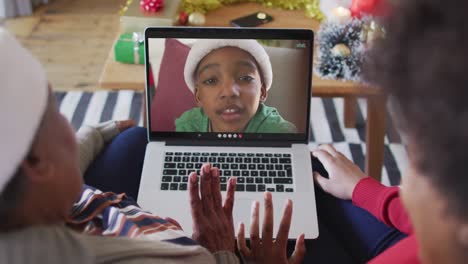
x: 385, y: 204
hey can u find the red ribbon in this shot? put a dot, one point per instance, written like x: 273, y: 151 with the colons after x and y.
x: 151, y: 6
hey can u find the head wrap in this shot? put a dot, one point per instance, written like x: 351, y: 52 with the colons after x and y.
x: 23, y: 100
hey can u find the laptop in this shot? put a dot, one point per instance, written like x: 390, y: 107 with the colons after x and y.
x: 227, y: 107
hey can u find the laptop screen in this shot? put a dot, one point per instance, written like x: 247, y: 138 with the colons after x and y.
x: 231, y: 85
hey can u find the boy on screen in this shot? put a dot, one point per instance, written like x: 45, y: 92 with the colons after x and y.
x: 230, y: 80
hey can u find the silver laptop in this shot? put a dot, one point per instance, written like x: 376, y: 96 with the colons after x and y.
x: 240, y: 100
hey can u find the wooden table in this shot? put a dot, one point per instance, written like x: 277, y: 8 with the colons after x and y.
x: 125, y: 76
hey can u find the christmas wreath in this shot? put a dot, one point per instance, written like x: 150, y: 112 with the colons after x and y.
x: 341, y: 50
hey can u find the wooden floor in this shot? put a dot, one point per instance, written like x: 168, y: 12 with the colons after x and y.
x: 72, y: 39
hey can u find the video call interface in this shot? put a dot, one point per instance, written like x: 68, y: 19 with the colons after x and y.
x: 229, y: 87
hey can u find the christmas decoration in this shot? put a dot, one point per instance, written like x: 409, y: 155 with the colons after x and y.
x: 340, y: 50
x: 326, y: 6
x: 124, y: 8
x: 129, y: 48
x: 182, y: 18
x: 311, y: 7
x: 151, y: 6
x: 369, y: 7
x: 196, y: 19
x: 312, y: 10
x: 342, y: 47
x: 339, y: 15
x: 133, y: 19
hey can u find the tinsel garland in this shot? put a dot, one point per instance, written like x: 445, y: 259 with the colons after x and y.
x: 311, y: 7
x: 329, y: 65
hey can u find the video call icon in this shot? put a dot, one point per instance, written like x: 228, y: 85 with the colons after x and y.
x: 220, y: 135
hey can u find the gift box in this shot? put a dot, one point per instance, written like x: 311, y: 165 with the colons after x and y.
x: 133, y: 19
x: 130, y: 48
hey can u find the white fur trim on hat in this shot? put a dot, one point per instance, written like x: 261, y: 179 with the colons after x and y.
x: 204, y: 46
x: 23, y: 100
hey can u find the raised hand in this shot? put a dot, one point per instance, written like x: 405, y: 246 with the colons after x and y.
x: 266, y: 249
x: 213, y: 225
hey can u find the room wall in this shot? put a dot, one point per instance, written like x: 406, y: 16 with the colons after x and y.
x: 13, y: 8
x: 2, y: 9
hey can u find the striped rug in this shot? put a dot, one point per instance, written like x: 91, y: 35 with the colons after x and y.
x: 326, y: 127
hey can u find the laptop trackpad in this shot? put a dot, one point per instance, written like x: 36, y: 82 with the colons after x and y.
x: 242, y: 212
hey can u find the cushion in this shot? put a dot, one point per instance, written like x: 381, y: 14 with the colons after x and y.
x: 172, y: 96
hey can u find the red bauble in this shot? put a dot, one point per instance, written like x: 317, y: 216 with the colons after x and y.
x: 151, y: 5
x: 369, y: 7
x: 183, y: 18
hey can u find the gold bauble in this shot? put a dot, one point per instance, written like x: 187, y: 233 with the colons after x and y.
x: 196, y: 19
x: 340, y: 50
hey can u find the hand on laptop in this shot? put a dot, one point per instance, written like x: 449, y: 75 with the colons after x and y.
x: 213, y: 225
x: 343, y: 174
x: 266, y: 249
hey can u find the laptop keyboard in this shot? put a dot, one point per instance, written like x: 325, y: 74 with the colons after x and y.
x: 255, y: 172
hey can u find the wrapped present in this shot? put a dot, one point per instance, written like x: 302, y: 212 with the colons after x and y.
x: 129, y: 48
x: 134, y: 19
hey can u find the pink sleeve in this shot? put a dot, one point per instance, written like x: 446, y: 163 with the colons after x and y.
x: 383, y: 202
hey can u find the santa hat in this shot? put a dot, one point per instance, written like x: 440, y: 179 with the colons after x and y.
x: 204, y: 46
x: 23, y: 100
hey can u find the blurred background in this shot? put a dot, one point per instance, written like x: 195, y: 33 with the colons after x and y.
x: 72, y: 38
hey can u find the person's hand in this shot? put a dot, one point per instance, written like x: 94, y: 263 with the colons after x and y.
x: 213, y: 225
x: 123, y: 125
x: 343, y: 174
x: 265, y: 249
x: 173, y: 221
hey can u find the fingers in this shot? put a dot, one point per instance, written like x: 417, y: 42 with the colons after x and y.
x: 330, y: 149
x: 216, y: 190
x: 205, y: 189
x: 195, y: 202
x: 173, y: 221
x: 321, y: 181
x: 324, y: 157
x: 254, y: 227
x: 299, y: 251
x: 229, y: 202
x: 243, y: 249
x: 268, y: 221
x: 283, y: 232
x: 125, y: 124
